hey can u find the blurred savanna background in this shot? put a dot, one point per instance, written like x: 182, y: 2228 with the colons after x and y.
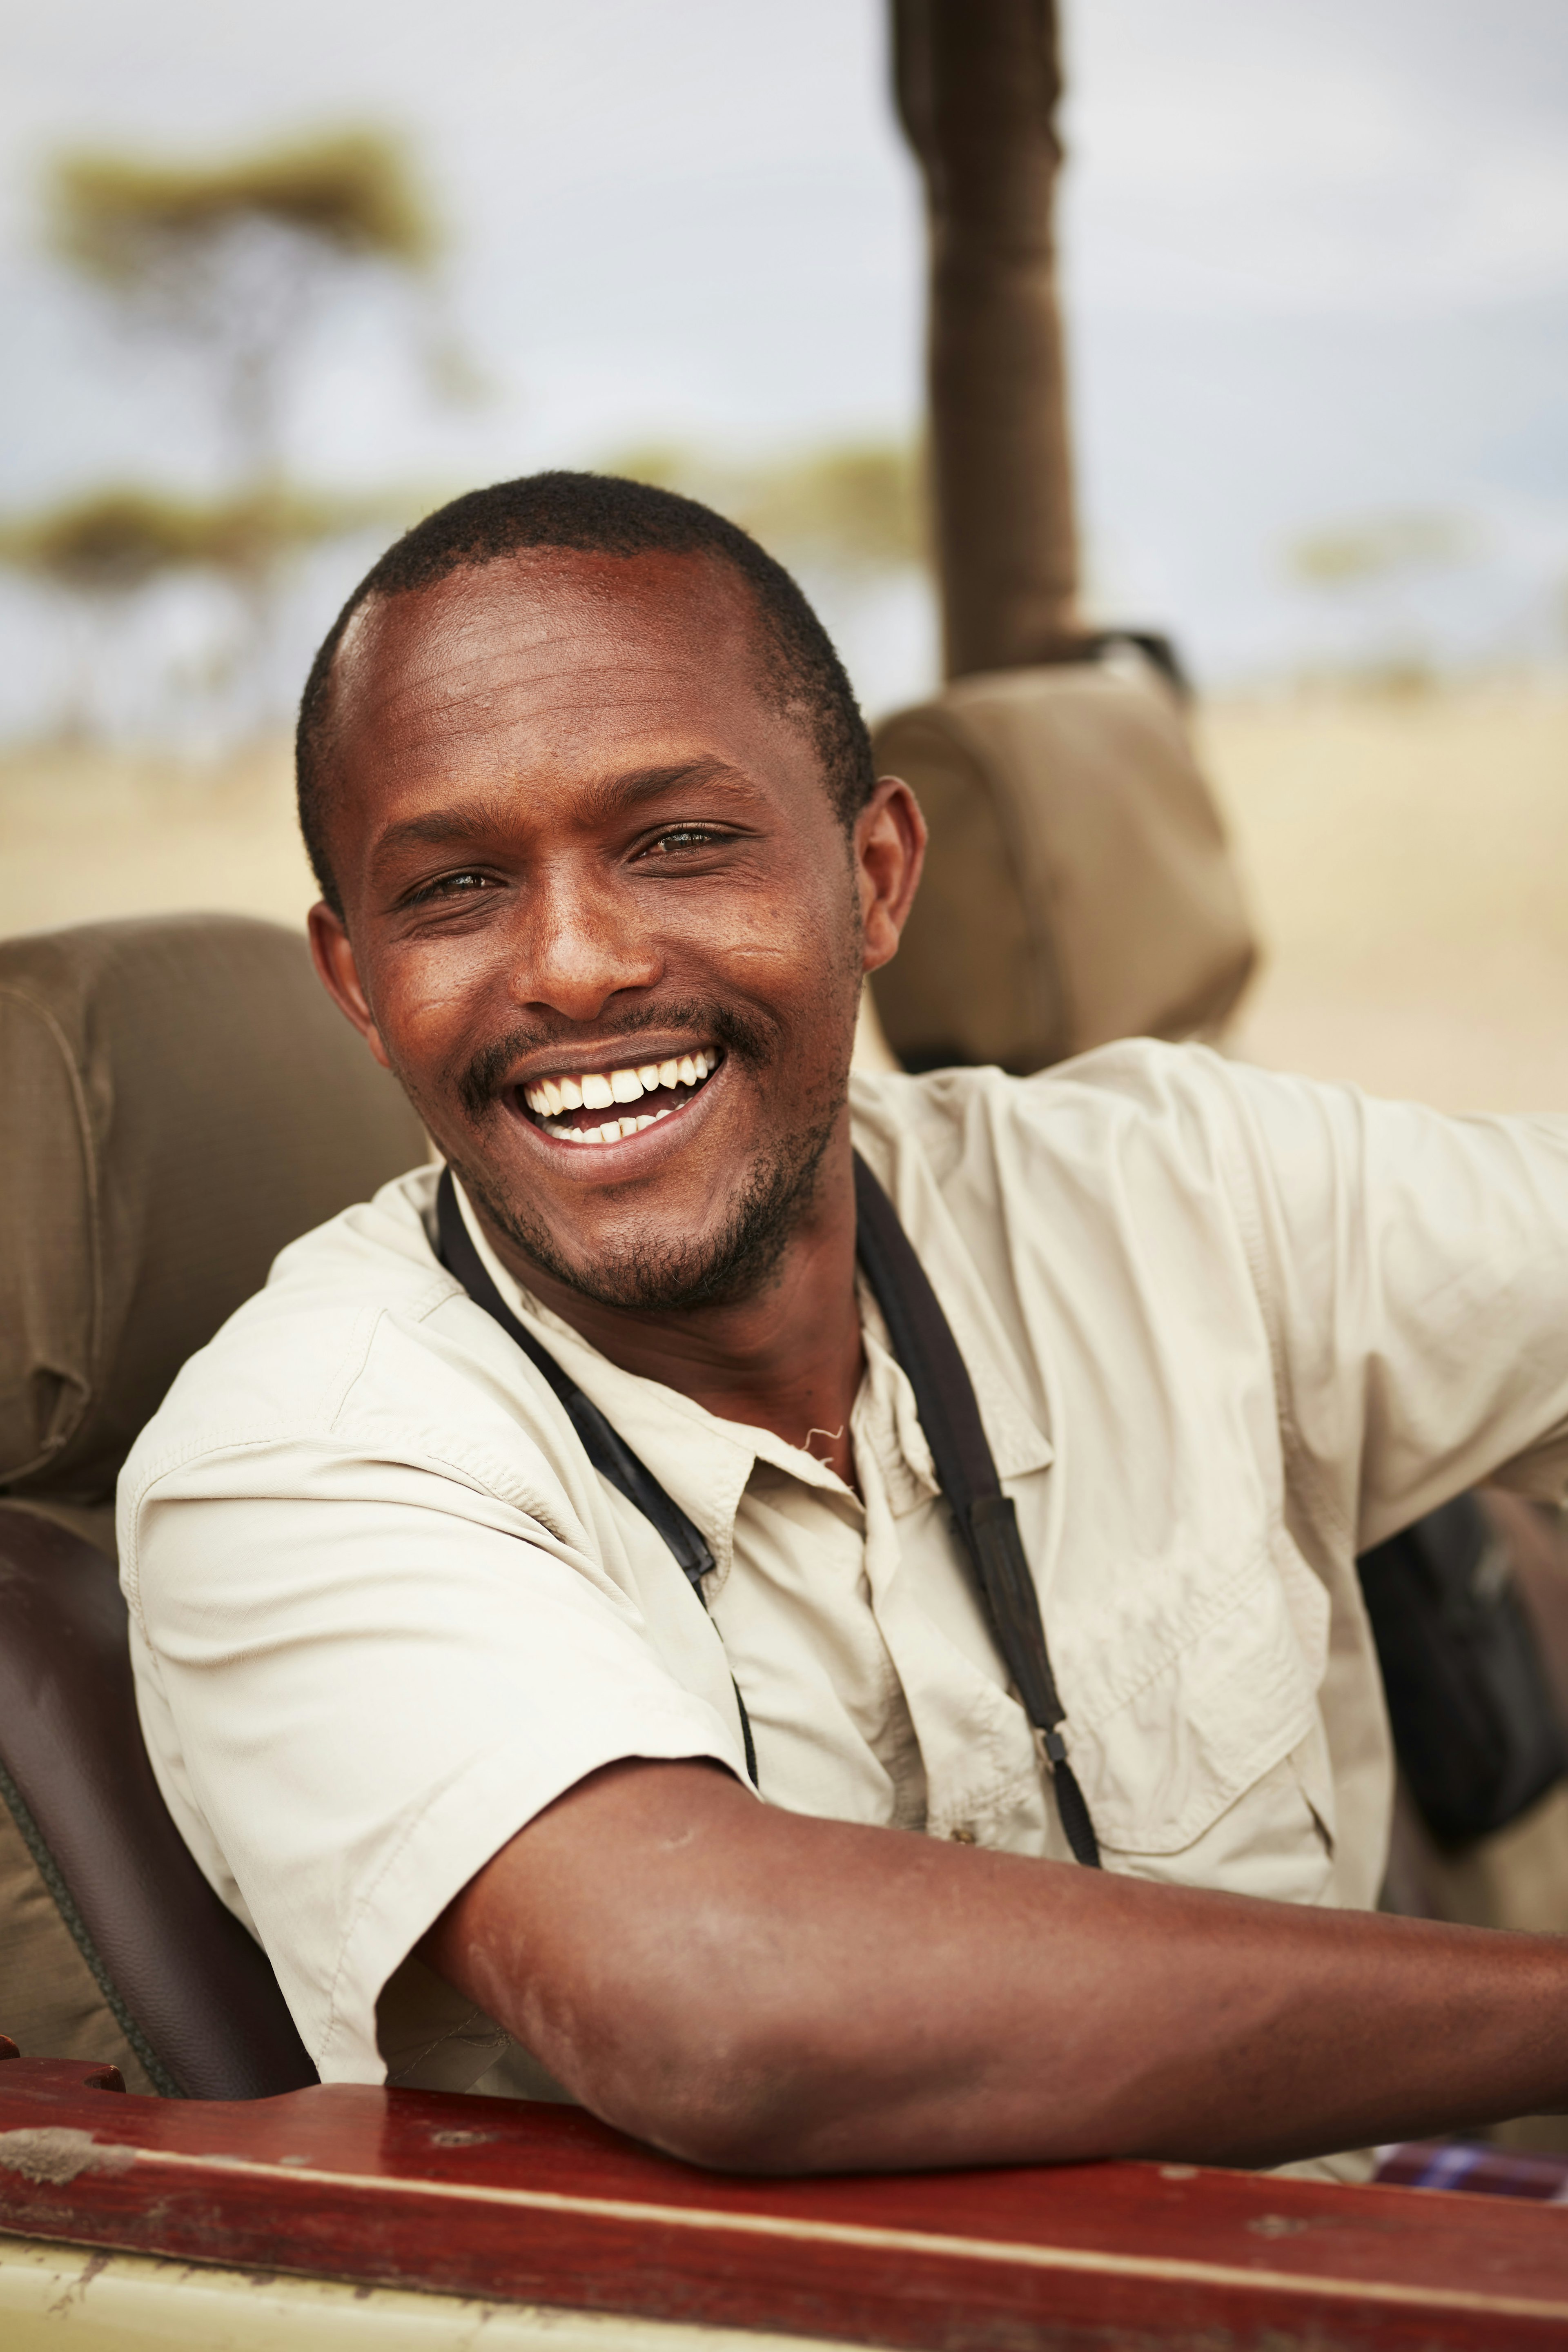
x: 276, y: 282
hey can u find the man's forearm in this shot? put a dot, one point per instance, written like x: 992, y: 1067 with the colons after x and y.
x: 761, y: 1990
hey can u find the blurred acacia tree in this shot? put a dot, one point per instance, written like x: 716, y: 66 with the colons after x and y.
x: 232, y: 259
x: 231, y: 262
x: 117, y: 541
x: 101, y: 551
x: 1374, y: 566
x: 849, y: 518
x: 853, y: 507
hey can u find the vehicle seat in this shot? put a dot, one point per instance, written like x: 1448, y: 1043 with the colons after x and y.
x: 181, y: 1100
x: 1078, y: 886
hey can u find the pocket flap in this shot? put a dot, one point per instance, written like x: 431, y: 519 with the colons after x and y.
x: 1216, y: 1714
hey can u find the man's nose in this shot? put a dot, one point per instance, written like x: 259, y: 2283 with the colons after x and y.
x: 583, y: 942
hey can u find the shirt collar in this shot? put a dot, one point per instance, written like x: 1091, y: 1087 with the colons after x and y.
x: 704, y: 1461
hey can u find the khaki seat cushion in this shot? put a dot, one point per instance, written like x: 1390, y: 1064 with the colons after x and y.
x: 181, y: 1099
x: 1078, y: 886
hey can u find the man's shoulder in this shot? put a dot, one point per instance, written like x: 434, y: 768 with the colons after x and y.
x: 1164, y: 1097
x: 383, y: 1247
x: 283, y: 1362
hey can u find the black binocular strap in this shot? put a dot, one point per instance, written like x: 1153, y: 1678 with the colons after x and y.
x: 984, y: 1517
x: 601, y: 1443
x: 944, y: 1397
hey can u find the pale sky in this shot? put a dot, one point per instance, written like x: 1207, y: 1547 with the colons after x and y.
x: 1316, y: 265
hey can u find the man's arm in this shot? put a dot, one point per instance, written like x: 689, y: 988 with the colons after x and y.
x: 760, y: 1990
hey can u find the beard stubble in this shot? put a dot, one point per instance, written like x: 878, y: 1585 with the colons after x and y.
x: 650, y: 1271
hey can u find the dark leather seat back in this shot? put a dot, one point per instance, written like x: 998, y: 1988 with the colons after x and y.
x: 178, y: 1100
x: 191, y: 1991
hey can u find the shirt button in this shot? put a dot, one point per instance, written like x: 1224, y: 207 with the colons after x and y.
x: 961, y: 1837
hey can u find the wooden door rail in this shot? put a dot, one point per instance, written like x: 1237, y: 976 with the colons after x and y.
x: 507, y: 2200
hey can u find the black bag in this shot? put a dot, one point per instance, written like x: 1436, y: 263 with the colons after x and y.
x: 1474, y: 1724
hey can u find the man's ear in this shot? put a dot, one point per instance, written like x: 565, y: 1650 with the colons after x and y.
x: 335, y: 959
x: 890, y: 851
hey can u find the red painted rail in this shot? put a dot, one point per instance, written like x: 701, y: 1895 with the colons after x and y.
x: 500, y: 2199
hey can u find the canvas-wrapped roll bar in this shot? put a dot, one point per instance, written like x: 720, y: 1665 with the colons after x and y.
x: 977, y: 84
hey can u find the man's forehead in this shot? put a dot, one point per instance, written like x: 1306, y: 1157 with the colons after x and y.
x: 568, y: 678
x: 545, y: 623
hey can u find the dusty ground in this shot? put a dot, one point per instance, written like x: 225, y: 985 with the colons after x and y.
x: 1405, y: 857
x: 88, y: 835
x: 1408, y: 858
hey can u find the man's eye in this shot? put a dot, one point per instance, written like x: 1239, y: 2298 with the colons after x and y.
x: 462, y: 885
x: 685, y: 836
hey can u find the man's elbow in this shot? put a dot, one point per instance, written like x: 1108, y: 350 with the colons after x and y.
x: 737, y: 2093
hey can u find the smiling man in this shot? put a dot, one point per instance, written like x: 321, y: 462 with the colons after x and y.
x: 552, y: 1594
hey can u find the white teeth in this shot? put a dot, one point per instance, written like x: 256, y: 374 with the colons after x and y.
x: 614, y: 1129
x: 598, y: 1089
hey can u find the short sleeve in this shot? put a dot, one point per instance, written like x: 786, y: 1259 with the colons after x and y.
x: 1413, y: 1270
x: 359, y: 1679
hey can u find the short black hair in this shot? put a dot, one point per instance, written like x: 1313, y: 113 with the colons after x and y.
x: 599, y: 514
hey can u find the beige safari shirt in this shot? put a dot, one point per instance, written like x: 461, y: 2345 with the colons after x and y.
x: 1226, y: 1328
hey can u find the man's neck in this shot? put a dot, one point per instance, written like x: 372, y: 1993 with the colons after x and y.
x: 787, y: 1358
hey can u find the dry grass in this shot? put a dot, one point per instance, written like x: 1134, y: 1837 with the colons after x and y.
x: 1406, y: 856
x: 88, y: 835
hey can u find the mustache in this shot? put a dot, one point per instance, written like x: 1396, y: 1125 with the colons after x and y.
x: 485, y: 1075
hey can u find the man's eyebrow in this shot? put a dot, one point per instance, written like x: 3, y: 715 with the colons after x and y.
x: 462, y: 821
x: 441, y: 829
x: 618, y: 795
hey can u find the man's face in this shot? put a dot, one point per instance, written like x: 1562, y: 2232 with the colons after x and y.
x: 602, y: 917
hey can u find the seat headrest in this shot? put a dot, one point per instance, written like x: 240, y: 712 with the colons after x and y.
x: 181, y: 1100
x: 1078, y: 887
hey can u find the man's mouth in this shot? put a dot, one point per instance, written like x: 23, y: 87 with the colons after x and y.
x: 602, y: 1106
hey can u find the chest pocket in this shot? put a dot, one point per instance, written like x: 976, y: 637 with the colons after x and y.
x: 1220, y: 1702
